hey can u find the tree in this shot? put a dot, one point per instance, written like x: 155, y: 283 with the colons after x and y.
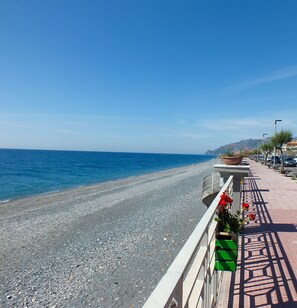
x: 279, y: 139
x: 266, y: 148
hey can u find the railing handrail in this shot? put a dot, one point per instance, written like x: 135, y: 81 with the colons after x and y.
x: 198, y: 250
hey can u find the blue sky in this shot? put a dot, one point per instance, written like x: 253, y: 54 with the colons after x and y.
x: 145, y: 76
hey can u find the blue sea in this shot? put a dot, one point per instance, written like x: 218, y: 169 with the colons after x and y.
x: 30, y: 172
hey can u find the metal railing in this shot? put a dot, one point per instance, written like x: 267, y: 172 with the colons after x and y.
x: 210, y: 184
x: 191, y: 280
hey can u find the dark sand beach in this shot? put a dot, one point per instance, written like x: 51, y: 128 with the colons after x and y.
x: 106, y: 245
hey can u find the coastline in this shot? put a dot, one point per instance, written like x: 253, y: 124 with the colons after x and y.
x: 25, y: 173
x: 104, y: 245
x: 97, y: 184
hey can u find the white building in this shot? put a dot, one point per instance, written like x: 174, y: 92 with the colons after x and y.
x: 290, y: 149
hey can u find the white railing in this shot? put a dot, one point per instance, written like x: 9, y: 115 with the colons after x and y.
x: 210, y: 184
x: 191, y: 280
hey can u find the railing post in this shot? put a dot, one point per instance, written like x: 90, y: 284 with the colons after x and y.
x: 238, y: 172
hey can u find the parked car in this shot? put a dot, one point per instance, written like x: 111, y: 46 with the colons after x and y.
x: 271, y: 159
x: 290, y: 162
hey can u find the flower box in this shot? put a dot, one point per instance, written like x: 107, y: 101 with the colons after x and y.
x: 226, y: 251
x: 229, y: 225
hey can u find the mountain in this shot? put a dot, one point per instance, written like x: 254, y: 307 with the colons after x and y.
x: 250, y: 144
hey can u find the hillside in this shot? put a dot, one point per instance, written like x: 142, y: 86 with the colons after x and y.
x: 250, y: 144
x: 237, y: 146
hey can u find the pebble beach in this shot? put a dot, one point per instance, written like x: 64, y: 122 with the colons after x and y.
x: 105, y: 245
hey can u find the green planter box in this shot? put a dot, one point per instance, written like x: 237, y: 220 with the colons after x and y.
x: 229, y: 266
x: 226, y: 253
x: 227, y: 244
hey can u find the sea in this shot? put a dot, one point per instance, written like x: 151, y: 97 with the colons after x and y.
x: 26, y: 173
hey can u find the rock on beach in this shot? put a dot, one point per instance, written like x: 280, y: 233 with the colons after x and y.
x: 105, y: 245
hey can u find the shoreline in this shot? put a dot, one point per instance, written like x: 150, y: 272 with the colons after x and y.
x: 96, y: 184
x: 105, y: 245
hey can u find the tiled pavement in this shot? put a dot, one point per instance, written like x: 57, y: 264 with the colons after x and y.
x: 267, y: 261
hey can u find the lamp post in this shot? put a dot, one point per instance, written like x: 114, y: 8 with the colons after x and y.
x: 275, y: 122
x: 259, y: 150
x: 264, y: 134
x: 264, y: 156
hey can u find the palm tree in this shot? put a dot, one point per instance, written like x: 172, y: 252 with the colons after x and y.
x: 279, y: 139
x: 266, y: 148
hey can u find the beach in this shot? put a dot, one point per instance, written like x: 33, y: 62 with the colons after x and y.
x: 105, y: 245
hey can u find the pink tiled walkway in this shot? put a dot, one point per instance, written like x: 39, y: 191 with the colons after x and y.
x: 267, y: 262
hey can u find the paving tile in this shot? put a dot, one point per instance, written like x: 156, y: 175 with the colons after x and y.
x: 267, y: 261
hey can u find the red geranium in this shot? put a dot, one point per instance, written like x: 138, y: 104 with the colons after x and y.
x: 226, y: 198
x: 225, y: 201
x: 246, y: 206
x: 252, y: 216
x: 229, y: 222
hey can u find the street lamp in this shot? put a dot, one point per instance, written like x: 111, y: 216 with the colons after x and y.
x: 259, y: 149
x: 275, y: 122
x: 263, y: 156
x: 265, y: 134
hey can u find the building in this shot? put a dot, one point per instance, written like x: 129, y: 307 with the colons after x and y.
x: 290, y: 149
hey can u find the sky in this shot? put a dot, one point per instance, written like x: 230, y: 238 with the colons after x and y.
x: 157, y: 76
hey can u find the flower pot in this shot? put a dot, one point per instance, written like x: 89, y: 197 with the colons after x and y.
x: 232, y: 160
x: 226, y: 251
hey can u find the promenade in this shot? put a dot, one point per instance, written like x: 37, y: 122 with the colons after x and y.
x: 267, y: 261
